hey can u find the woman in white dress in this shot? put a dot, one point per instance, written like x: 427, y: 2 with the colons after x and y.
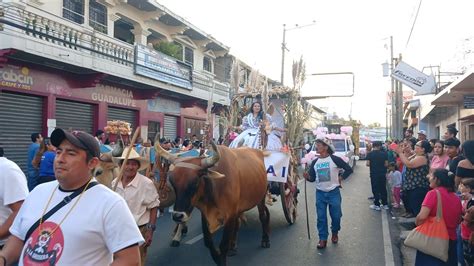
x: 250, y: 137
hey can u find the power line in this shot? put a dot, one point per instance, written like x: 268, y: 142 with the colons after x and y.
x: 414, y: 22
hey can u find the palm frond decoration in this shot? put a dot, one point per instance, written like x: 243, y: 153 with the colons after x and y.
x: 297, y: 113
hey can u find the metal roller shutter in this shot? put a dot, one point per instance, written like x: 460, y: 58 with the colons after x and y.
x: 170, y: 128
x: 74, y: 116
x: 126, y: 115
x: 20, y: 116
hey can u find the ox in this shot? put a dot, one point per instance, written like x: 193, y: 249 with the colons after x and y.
x: 222, y: 187
x: 106, y: 171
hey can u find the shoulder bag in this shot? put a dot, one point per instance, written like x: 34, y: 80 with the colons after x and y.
x: 431, y: 237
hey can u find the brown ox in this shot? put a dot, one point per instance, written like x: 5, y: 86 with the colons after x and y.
x: 222, y: 192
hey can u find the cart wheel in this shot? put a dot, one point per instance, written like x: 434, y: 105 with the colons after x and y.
x: 288, y: 194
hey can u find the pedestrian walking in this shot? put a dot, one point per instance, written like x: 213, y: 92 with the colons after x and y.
x: 325, y: 171
x: 140, y: 194
x: 33, y: 172
x: 74, y: 220
x: 13, y: 191
x: 377, y: 160
x: 443, y: 182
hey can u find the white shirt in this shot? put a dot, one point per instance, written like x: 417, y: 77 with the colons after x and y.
x: 13, y: 188
x: 98, y: 226
x: 327, y: 174
x: 141, y: 196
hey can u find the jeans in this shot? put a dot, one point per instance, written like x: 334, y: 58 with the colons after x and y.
x: 423, y: 259
x: 333, y: 200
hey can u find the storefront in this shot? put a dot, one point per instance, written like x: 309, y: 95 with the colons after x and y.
x: 20, y: 116
x: 37, y: 99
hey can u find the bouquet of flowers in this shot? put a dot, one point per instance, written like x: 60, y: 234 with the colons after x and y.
x: 118, y: 127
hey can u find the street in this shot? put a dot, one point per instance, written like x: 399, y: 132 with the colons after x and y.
x: 362, y: 239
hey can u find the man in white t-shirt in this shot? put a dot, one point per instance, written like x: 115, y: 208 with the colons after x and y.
x: 325, y: 171
x: 94, y: 228
x: 13, y: 191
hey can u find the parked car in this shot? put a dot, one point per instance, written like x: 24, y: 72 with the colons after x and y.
x: 344, y: 148
x: 362, y: 150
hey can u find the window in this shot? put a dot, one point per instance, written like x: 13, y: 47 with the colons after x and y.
x: 339, y: 144
x: 207, y: 64
x: 189, y: 55
x: 74, y: 10
x: 98, y: 16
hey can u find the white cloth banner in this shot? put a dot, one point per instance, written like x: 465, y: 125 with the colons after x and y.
x: 417, y: 80
x: 277, y: 165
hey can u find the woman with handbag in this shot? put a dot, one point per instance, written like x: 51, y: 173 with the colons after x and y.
x: 442, y: 184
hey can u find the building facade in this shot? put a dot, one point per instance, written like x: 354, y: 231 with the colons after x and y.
x: 77, y: 64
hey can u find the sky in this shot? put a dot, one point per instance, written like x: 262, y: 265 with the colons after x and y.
x: 348, y: 36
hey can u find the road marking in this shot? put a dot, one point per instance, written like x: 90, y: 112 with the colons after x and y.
x: 194, y: 239
x: 387, y: 241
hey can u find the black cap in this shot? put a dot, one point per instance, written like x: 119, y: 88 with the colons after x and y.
x: 79, y: 139
x: 452, y: 142
x: 377, y: 143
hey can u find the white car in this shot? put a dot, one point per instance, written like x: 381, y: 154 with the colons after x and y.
x: 343, y: 149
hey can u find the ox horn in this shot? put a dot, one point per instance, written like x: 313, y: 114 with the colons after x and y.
x: 165, y: 154
x: 210, y: 161
x: 118, y: 149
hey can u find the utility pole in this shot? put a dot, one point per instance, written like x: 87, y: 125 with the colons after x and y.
x: 400, y: 105
x: 392, y: 92
x: 283, y: 48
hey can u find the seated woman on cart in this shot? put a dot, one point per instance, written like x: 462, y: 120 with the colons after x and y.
x: 251, y: 136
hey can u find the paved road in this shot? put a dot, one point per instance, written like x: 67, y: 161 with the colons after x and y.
x: 361, y: 238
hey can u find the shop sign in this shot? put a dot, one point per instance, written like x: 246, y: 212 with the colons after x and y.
x: 113, y: 95
x: 16, y: 77
x: 469, y: 101
x: 161, y: 105
x: 156, y: 65
x: 417, y: 80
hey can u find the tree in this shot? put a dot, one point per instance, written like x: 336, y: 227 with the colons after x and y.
x: 170, y: 48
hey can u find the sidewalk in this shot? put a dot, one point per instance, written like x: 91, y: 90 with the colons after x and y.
x: 405, y: 225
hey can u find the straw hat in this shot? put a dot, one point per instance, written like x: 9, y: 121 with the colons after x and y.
x: 328, y: 143
x: 133, y: 156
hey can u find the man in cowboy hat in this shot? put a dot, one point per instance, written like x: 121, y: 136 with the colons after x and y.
x: 140, y: 194
x: 325, y: 171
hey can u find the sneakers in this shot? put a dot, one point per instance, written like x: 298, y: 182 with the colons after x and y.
x: 385, y: 207
x: 375, y: 207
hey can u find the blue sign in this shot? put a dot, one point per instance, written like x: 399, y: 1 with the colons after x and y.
x: 155, y: 65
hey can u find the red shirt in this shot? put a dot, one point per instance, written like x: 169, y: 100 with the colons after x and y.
x: 452, y: 209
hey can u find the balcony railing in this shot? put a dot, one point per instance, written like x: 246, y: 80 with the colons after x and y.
x: 207, y: 82
x: 62, y: 32
x: 43, y: 26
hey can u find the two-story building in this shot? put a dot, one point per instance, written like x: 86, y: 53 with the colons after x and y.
x: 77, y: 64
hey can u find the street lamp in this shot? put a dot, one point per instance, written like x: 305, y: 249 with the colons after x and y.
x: 283, y: 46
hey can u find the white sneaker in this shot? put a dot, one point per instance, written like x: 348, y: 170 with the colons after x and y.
x: 385, y: 207
x: 375, y: 207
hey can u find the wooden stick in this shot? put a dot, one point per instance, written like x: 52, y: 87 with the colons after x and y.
x: 135, y: 136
